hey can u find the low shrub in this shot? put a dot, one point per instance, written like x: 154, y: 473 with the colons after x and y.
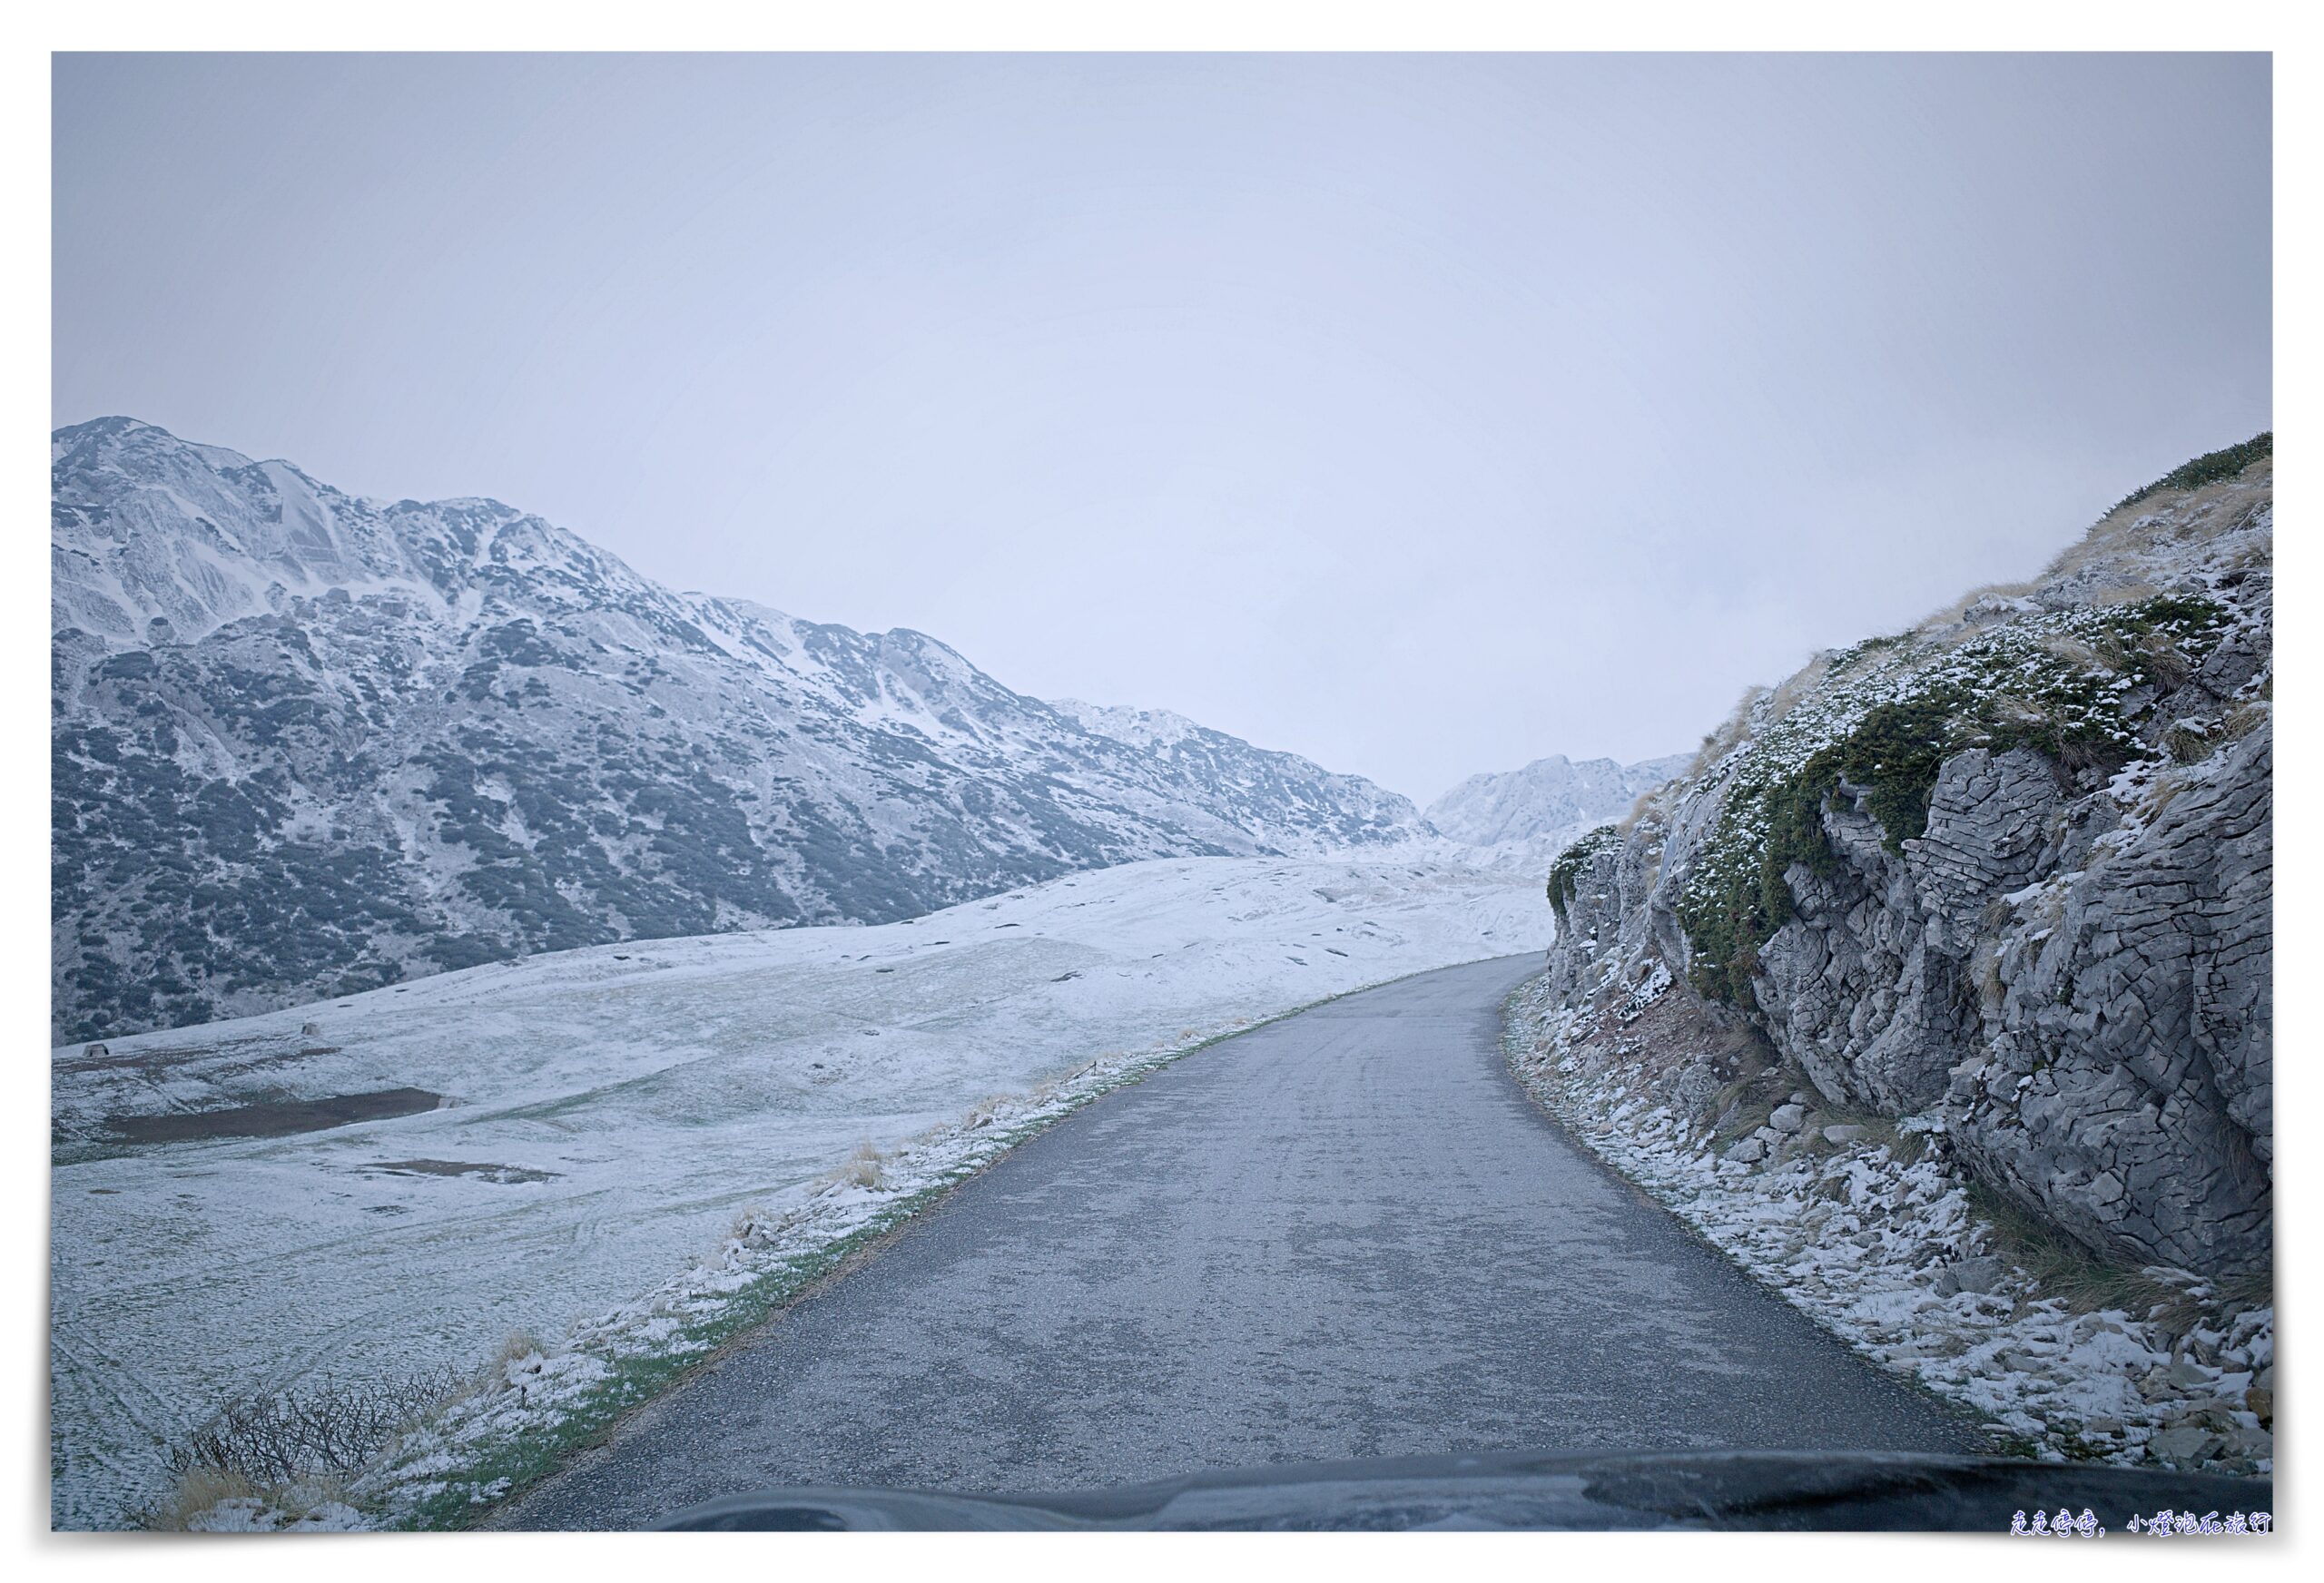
x: 2208, y: 468
x: 325, y: 1431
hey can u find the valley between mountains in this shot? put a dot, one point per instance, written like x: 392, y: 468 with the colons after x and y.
x: 458, y: 935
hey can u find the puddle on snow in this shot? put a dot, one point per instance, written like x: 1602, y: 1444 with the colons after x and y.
x: 279, y: 1119
x: 507, y: 1176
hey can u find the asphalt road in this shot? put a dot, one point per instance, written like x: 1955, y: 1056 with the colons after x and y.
x: 1345, y: 1235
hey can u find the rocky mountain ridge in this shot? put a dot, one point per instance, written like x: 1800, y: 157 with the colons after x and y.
x: 2005, y: 879
x: 305, y: 743
x: 1548, y: 798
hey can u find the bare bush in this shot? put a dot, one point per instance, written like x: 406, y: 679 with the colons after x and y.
x: 328, y: 1429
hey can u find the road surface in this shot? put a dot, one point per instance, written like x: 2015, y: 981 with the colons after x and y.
x: 1345, y: 1235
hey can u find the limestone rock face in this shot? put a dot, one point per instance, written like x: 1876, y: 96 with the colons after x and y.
x: 1871, y: 982
x: 2068, y: 964
x: 2126, y: 1082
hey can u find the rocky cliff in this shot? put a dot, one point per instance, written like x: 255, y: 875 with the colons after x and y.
x: 2006, y: 876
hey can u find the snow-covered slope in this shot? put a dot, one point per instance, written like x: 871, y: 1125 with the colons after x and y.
x: 306, y: 744
x: 1549, y: 797
x: 608, y: 1111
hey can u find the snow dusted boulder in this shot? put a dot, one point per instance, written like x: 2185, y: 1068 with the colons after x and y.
x: 1590, y: 890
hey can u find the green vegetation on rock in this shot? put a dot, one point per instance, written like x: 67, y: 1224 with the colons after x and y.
x: 1565, y: 873
x: 2208, y: 468
x: 1880, y: 727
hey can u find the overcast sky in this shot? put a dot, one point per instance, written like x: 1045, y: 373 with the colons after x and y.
x: 1423, y: 415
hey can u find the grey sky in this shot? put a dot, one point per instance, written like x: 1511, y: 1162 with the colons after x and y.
x: 1420, y: 414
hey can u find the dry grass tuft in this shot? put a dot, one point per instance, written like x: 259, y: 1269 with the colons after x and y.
x: 2165, y: 659
x: 865, y: 1168
x: 1717, y: 744
x: 1985, y: 966
x: 2063, y: 1267
x: 2010, y: 707
x: 518, y: 1345
x: 1946, y: 615
x: 2248, y: 717
x: 1796, y: 686
x: 200, y: 1488
x: 2074, y: 651
x: 200, y: 1491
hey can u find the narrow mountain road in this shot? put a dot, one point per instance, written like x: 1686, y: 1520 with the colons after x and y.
x: 1345, y: 1235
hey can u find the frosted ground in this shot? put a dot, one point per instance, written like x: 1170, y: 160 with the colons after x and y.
x: 608, y: 1113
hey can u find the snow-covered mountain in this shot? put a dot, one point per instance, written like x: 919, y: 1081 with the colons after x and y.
x: 306, y: 744
x: 1548, y: 798
x: 1255, y: 786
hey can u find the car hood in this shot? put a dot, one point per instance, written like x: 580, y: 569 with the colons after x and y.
x: 1834, y: 1491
